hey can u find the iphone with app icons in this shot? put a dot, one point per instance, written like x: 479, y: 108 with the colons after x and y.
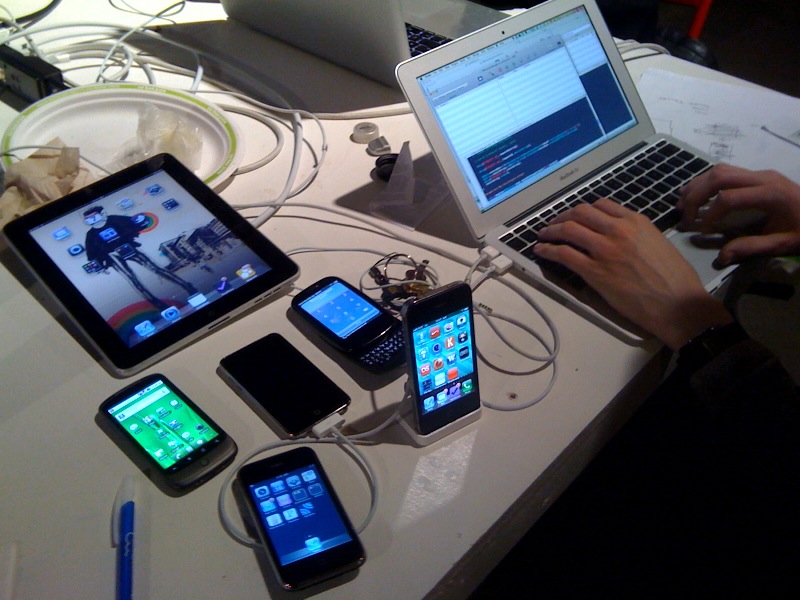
x: 440, y: 347
x: 300, y: 521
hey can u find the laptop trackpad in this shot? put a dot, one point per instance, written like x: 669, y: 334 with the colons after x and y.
x: 701, y: 259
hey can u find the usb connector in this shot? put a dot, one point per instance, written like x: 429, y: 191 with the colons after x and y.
x: 327, y: 425
x: 499, y: 262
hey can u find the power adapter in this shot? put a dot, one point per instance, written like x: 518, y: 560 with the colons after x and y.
x: 29, y: 77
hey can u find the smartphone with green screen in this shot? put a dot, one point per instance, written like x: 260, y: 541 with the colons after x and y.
x: 167, y: 436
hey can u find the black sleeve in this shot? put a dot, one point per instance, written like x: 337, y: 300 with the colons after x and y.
x: 746, y: 379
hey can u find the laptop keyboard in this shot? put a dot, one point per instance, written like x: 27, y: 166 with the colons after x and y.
x: 648, y: 183
x: 421, y: 40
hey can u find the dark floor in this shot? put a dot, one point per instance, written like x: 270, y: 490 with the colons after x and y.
x: 680, y: 504
x: 595, y: 541
x: 754, y: 40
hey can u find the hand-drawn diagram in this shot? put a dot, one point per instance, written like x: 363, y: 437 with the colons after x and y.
x: 737, y: 124
x: 722, y: 136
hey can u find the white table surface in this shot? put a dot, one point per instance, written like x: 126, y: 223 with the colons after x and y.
x: 447, y: 512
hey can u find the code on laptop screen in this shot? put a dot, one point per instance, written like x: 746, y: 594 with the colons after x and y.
x: 518, y: 110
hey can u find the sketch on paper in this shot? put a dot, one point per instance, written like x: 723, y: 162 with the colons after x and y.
x: 722, y: 135
x: 734, y: 123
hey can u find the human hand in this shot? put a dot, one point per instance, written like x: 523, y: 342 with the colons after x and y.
x: 738, y: 190
x: 634, y: 268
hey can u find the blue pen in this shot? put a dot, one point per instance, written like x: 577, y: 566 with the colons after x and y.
x: 122, y: 536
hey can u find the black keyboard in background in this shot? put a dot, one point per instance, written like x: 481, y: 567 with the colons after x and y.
x: 649, y: 184
x: 421, y: 40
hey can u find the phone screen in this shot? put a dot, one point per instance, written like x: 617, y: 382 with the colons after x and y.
x: 281, y: 385
x: 300, y: 521
x: 298, y: 514
x: 444, y: 361
x: 340, y: 309
x: 163, y: 424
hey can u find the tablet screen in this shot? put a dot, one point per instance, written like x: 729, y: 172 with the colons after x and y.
x: 151, y: 254
x: 147, y: 255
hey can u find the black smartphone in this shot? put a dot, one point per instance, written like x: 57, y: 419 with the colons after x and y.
x: 170, y: 439
x: 300, y: 521
x: 440, y: 347
x: 282, y: 386
x: 353, y: 323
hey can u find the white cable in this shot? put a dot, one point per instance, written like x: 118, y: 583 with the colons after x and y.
x: 126, y: 64
x: 401, y: 108
x: 130, y: 32
x: 626, y: 46
x: 111, y: 33
x: 527, y: 403
x: 553, y: 352
x: 110, y: 27
x: 100, y: 50
x: 75, y: 50
x: 295, y: 115
x: 266, y: 120
x: 372, y: 476
x: 309, y: 249
x: 488, y: 316
x: 549, y: 361
x: 359, y: 227
x: 287, y: 190
x: 13, y: 22
x: 472, y: 268
x: 372, y: 223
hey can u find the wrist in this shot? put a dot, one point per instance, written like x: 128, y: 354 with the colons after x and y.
x: 692, y: 319
x: 705, y: 347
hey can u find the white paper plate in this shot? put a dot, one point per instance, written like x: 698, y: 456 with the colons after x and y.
x: 99, y: 119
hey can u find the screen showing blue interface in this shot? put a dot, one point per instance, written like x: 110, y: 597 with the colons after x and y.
x: 298, y: 514
x: 522, y: 108
x: 147, y: 255
x: 339, y: 309
x: 444, y: 363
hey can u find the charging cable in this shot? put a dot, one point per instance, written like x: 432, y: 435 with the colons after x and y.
x: 490, y: 263
x: 328, y: 431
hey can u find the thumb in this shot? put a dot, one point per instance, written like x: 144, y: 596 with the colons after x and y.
x: 742, y: 248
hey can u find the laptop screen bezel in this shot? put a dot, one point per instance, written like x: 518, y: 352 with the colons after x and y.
x: 482, y: 222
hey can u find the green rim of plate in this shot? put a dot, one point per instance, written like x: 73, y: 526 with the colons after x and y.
x: 217, y: 113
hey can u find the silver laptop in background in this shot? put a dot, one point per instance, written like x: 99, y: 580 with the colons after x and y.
x: 536, y: 113
x: 365, y: 36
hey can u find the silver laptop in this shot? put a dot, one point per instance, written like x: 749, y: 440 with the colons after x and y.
x: 535, y: 114
x: 366, y: 36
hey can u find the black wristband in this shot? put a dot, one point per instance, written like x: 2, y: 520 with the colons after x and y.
x: 702, y: 349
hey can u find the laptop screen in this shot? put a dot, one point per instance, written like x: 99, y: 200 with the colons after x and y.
x: 520, y: 109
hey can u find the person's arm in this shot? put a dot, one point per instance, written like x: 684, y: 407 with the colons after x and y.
x: 638, y: 271
x: 635, y: 268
